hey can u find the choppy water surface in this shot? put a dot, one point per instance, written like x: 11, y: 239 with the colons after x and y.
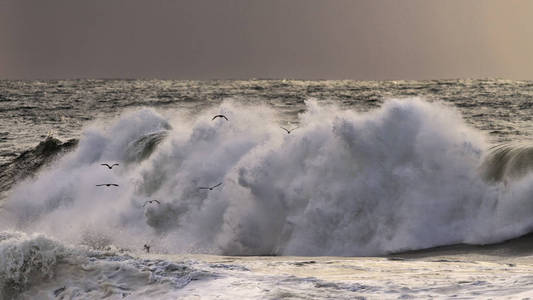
x: 373, y: 169
x: 29, y: 110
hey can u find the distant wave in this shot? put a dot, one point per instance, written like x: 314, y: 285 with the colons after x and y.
x: 409, y: 175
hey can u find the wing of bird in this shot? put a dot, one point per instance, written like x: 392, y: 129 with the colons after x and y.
x: 203, y: 188
x: 220, y: 116
x: 114, y: 184
x: 100, y: 184
x: 157, y: 201
x: 114, y: 165
x: 285, y: 129
x: 106, y: 165
x: 216, y: 185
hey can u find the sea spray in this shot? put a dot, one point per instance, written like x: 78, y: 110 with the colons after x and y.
x: 405, y: 176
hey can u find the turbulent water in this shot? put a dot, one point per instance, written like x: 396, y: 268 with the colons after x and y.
x: 372, y: 169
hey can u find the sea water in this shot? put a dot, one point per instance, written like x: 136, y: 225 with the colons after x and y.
x: 372, y: 171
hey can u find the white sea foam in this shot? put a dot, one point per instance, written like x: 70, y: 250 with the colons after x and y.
x: 23, y: 259
x: 405, y: 176
x: 37, y: 267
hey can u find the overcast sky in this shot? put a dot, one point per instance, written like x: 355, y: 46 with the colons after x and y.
x: 304, y: 39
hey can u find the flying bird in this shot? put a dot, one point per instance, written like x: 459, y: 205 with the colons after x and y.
x: 209, y: 188
x: 289, y: 131
x: 109, y: 166
x: 151, y: 201
x: 220, y: 116
x: 107, y: 184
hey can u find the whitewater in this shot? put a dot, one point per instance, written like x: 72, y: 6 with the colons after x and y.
x: 334, y: 209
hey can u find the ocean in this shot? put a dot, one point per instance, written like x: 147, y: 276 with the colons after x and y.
x: 306, y: 190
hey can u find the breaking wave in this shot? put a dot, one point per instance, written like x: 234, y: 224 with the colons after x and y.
x: 37, y: 267
x: 409, y: 175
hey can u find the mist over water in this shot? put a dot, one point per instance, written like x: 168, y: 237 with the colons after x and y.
x: 404, y: 176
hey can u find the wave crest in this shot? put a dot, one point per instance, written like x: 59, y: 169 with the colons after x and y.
x: 25, y: 259
x: 507, y: 162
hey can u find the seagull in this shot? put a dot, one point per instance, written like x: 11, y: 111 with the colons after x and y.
x: 107, y: 184
x: 151, y: 201
x: 209, y: 188
x: 220, y: 116
x: 109, y: 166
x: 289, y: 131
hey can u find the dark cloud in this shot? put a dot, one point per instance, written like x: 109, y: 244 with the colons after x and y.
x: 201, y: 39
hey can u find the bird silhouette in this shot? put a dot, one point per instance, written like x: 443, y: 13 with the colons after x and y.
x: 109, y: 166
x: 151, y: 201
x: 209, y: 188
x: 220, y: 116
x: 107, y: 184
x: 147, y: 248
x: 288, y: 131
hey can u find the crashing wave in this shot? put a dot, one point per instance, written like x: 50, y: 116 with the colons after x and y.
x: 37, y: 267
x: 25, y: 260
x: 405, y: 176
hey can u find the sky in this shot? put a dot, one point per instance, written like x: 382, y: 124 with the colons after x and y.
x: 242, y: 39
